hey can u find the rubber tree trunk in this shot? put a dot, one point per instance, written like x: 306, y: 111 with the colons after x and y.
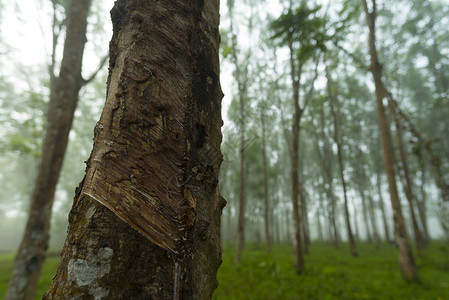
x: 406, y: 260
x: 241, y: 78
x: 338, y: 142
x: 366, y: 187
x: 382, y: 207
x: 419, y: 240
x: 365, y: 217
x: 422, y: 202
x: 265, y: 185
x: 294, y: 155
x: 327, y: 166
x: 372, y: 215
x: 63, y: 100
x: 145, y: 222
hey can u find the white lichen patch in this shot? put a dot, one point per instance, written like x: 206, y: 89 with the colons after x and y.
x: 90, y: 212
x: 89, y: 270
x: 98, y: 292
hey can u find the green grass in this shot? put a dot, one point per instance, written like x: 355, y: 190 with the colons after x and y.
x: 48, y: 271
x: 330, y: 274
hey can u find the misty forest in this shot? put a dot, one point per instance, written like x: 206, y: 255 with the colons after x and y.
x: 246, y: 149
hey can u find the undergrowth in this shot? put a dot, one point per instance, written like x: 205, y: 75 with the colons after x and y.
x: 329, y: 274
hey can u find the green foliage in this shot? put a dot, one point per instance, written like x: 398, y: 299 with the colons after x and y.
x: 330, y: 274
x: 303, y: 26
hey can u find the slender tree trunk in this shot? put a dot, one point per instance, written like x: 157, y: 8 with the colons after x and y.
x: 320, y: 227
x: 356, y: 226
x: 382, y: 208
x: 63, y: 101
x: 303, y: 212
x: 365, y: 217
x: 265, y: 185
x: 325, y: 158
x: 366, y: 187
x: 241, y: 82
x: 408, y: 183
x: 241, y: 211
x: 145, y: 223
x: 406, y: 259
x: 337, y: 141
x: 422, y: 202
x: 298, y: 255
x: 304, y: 217
x: 373, y: 220
x: 436, y: 163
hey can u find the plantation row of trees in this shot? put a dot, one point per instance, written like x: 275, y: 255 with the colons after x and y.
x: 338, y: 125
x: 336, y: 130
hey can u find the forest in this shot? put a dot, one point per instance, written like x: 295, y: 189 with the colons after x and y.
x: 254, y: 149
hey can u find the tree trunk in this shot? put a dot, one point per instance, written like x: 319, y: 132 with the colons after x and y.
x: 382, y: 208
x: 62, y: 104
x: 265, y: 185
x: 365, y: 216
x: 242, y: 195
x: 318, y: 220
x: 298, y: 255
x: 337, y: 141
x: 408, y: 183
x: 305, y: 220
x: 406, y: 259
x: 373, y: 219
x: 145, y: 221
x: 241, y: 211
x: 422, y: 202
x: 356, y: 225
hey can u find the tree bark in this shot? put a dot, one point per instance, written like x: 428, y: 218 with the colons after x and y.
x: 325, y: 158
x: 382, y: 208
x: 419, y: 241
x: 242, y: 87
x: 406, y: 259
x: 337, y: 141
x: 265, y: 185
x: 327, y: 165
x: 145, y: 221
x: 63, y: 100
x: 373, y: 219
x: 298, y: 255
x: 422, y: 202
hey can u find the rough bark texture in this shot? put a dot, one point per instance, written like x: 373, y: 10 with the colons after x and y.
x: 406, y: 260
x: 62, y: 104
x: 338, y: 142
x: 155, y: 163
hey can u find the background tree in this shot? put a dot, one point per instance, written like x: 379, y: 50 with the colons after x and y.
x: 302, y: 32
x: 406, y: 259
x: 63, y: 100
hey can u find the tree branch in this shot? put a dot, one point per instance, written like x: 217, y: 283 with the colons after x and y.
x: 357, y: 60
x: 100, y: 66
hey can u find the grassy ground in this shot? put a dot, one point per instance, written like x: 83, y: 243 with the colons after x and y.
x: 48, y: 271
x: 329, y: 274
